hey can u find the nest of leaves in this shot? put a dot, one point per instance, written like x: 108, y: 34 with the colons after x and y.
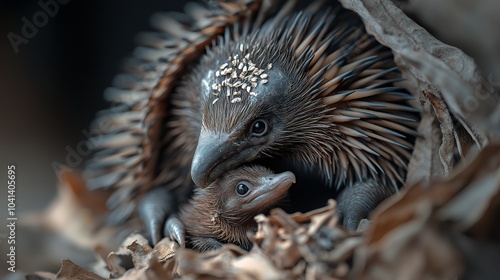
x: 443, y: 225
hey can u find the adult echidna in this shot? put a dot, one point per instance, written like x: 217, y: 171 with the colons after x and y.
x: 224, y: 211
x: 294, y: 87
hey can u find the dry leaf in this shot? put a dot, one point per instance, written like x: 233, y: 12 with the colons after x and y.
x: 432, y: 64
x: 70, y: 271
x: 409, y: 236
x: 424, y: 163
x: 165, y: 249
x: 446, y: 150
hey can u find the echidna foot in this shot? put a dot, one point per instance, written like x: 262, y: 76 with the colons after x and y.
x: 356, y: 202
x: 154, y: 208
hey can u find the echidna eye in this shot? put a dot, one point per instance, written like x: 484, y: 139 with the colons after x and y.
x: 242, y: 189
x: 259, y: 128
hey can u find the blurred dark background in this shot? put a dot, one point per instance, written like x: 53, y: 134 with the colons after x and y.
x: 51, y: 89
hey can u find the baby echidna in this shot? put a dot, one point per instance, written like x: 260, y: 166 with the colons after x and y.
x: 224, y: 211
x: 250, y: 81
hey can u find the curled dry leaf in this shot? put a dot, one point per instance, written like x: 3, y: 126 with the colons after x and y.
x: 424, y: 163
x: 475, y: 209
x: 135, y: 259
x: 70, y: 271
x: 311, y: 243
x: 142, y: 253
x: 458, y: 94
x: 409, y: 238
x: 165, y: 249
x: 446, y: 125
x: 429, y: 63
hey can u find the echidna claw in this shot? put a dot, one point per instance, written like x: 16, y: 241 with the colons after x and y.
x: 175, y: 230
x: 153, y: 209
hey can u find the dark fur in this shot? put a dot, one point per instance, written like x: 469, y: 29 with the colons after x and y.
x: 217, y: 215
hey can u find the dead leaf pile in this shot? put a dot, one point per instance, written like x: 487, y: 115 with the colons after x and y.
x: 437, y: 230
x: 286, y: 247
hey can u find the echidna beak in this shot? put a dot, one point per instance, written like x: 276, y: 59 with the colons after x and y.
x: 214, y: 154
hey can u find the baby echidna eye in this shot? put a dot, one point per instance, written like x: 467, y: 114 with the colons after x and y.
x: 242, y: 189
x: 259, y: 128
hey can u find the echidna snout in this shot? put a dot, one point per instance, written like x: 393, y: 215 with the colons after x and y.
x: 220, y: 149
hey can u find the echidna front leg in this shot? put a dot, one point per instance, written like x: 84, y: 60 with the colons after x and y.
x: 154, y: 208
x: 356, y: 202
x: 204, y: 244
